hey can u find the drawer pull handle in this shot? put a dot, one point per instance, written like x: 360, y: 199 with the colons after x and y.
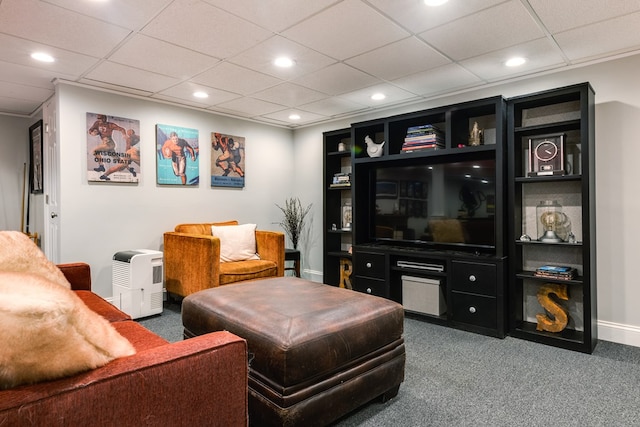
x: 368, y: 290
x: 368, y: 265
x: 472, y: 309
x: 472, y: 278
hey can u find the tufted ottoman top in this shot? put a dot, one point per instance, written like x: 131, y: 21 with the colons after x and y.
x: 297, y: 330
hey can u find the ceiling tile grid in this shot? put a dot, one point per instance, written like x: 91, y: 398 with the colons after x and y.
x: 343, y: 50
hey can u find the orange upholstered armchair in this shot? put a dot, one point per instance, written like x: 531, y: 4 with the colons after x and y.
x: 192, y: 258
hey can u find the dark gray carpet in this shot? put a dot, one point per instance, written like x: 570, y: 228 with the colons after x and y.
x: 456, y: 378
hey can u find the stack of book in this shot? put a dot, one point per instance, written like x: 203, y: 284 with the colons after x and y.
x: 556, y: 272
x: 424, y: 137
x: 341, y: 179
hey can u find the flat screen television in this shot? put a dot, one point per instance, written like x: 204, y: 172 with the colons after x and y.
x: 447, y: 205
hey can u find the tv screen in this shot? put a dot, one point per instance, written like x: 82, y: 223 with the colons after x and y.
x: 449, y: 204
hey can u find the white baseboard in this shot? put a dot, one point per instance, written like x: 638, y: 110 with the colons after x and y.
x: 109, y: 300
x: 619, y: 333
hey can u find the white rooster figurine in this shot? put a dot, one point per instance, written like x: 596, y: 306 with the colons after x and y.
x: 373, y: 149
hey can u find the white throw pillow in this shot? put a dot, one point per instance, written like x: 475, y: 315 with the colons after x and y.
x: 48, y: 332
x: 237, y: 242
x: 18, y: 253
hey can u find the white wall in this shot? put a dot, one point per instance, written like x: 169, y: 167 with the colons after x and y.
x: 14, y: 154
x: 617, y: 90
x: 100, y: 219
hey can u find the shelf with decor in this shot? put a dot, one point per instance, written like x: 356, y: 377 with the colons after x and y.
x: 429, y: 213
x: 552, y: 211
x: 337, y: 202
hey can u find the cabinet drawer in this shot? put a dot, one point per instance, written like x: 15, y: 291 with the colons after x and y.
x: 369, y: 264
x: 475, y: 310
x: 371, y: 286
x: 474, y: 277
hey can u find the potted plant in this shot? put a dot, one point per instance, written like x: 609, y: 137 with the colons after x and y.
x: 293, y: 221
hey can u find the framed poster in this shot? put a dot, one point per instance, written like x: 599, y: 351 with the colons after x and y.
x: 227, y: 160
x: 35, y: 154
x: 113, y: 149
x: 178, y: 160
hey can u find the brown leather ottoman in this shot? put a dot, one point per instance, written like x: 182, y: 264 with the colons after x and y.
x: 318, y: 351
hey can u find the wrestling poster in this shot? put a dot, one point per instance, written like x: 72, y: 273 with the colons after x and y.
x: 113, y: 149
x: 178, y: 155
x: 227, y: 160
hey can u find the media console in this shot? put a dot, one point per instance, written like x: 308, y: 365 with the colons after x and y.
x: 472, y: 285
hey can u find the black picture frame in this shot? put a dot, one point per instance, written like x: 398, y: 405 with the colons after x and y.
x: 36, y: 181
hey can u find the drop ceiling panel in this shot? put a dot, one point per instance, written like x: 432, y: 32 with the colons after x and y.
x: 249, y: 107
x: 275, y: 15
x: 393, y: 95
x: 19, y: 106
x: 614, y: 36
x: 404, y: 57
x: 131, y: 14
x: 184, y: 92
x: 289, y: 94
x: 498, y: 27
x: 345, y: 30
x: 438, y: 81
x: 336, y: 79
x: 17, y: 51
x: 219, y: 33
x: 143, y: 52
x: 30, y: 76
x: 305, y: 117
x: 418, y: 17
x: 540, y: 55
x: 567, y: 14
x: 121, y: 75
x: 332, y: 107
x: 55, y: 26
x: 261, y: 57
x: 234, y: 78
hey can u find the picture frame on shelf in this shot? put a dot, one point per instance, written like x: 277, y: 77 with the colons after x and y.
x: 347, y: 217
x: 546, y: 155
x: 35, y: 155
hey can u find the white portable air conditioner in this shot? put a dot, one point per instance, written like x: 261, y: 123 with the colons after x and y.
x: 137, y: 282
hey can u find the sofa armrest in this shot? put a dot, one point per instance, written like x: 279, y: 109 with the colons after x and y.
x: 199, y: 381
x: 191, y: 262
x: 270, y: 246
x: 78, y: 274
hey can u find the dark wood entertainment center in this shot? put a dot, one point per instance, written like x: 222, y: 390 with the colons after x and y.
x: 484, y: 265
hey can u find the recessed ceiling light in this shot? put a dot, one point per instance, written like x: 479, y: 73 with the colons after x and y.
x: 435, y: 2
x: 284, y: 62
x: 43, y: 57
x: 515, y: 61
x: 200, y: 94
x: 294, y: 116
x: 378, y: 96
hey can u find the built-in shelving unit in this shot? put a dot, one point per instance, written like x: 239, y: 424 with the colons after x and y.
x: 458, y: 210
x: 552, y: 212
x: 395, y: 226
x: 337, y: 203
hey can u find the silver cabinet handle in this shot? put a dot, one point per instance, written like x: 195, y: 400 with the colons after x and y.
x: 368, y: 265
x: 472, y: 309
x: 368, y: 290
x: 472, y: 278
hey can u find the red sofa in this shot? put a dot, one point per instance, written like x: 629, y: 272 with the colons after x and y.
x: 200, y: 381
